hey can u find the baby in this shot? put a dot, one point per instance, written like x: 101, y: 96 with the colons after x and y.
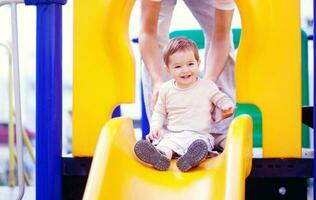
x: 184, y: 105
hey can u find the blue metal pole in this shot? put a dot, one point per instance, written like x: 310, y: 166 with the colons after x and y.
x: 314, y: 125
x: 48, y: 98
x: 144, y: 121
x: 48, y: 102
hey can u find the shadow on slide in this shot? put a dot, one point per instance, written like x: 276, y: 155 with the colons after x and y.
x: 117, y: 175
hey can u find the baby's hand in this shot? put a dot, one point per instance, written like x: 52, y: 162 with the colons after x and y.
x: 225, y: 113
x: 153, y: 134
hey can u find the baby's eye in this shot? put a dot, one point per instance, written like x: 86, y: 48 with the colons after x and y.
x: 177, y: 67
x: 191, y: 64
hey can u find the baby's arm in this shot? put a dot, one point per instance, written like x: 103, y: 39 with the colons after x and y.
x: 158, y: 117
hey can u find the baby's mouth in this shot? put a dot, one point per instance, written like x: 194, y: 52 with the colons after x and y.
x: 186, y: 76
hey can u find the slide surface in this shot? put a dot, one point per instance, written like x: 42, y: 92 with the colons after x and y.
x: 117, y: 175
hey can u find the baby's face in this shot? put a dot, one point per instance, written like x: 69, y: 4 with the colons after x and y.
x: 183, y: 67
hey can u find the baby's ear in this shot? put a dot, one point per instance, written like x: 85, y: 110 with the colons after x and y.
x: 166, y: 69
x: 199, y: 62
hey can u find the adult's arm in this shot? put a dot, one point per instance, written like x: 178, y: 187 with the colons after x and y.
x: 149, y: 47
x: 220, y: 45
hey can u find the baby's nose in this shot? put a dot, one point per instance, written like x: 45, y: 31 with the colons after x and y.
x: 186, y: 68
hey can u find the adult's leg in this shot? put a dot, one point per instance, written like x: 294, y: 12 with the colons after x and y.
x: 165, y: 15
x: 204, y: 12
x: 219, y: 141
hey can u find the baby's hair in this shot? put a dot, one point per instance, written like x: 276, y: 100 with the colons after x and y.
x: 179, y: 44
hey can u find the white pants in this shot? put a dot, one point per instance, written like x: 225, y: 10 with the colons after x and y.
x: 179, y: 142
x: 203, y: 11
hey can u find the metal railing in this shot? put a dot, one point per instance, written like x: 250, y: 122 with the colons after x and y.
x: 16, y: 75
x: 26, y: 140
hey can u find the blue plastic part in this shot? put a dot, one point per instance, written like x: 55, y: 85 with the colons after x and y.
x: 135, y: 40
x: 144, y: 120
x: 116, y: 112
x: 314, y: 114
x: 38, y: 2
x: 48, y: 101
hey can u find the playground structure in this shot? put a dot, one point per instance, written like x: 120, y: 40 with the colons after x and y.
x: 262, y: 61
x: 252, y: 88
x: 260, y: 67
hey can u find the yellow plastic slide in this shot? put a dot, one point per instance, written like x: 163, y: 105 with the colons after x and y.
x: 267, y: 75
x: 116, y: 174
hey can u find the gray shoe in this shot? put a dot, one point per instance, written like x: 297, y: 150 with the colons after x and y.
x: 195, y: 154
x: 147, y: 153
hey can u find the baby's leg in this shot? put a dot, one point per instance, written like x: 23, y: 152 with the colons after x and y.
x: 166, y: 150
x: 219, y: 141
x: 147, y: 153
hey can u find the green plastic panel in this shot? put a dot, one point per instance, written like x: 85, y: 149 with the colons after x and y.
x: 305, y: 93
x: 195, y: 34
x: 256, y: 115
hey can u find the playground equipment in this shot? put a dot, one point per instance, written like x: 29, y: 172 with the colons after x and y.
x: 268, y: 75
x: 257, y: 58
x: 263, y: 60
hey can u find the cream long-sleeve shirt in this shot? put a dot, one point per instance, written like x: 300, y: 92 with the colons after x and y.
x: 188, y: 109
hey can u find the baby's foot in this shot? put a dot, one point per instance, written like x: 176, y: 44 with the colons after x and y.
x: 196, y: 153
x: 147, y: 153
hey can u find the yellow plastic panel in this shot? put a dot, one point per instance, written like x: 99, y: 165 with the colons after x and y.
x: 103, y: 68
x: 117, y: 175
x: 268, y: 71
